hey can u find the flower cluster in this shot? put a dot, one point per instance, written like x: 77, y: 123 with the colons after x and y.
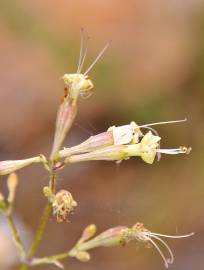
x: 116, y: 144
x: 119, y: 143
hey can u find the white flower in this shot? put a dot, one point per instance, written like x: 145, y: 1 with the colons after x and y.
x: 148, y: 147
x: 126, y: 134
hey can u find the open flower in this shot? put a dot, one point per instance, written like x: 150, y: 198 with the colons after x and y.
x: 146, y: 149
x: 120, y: 135
x: 121, y: 235
x: 77, y: 84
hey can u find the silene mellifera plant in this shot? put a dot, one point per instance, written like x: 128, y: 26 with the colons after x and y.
x: 117, y: 143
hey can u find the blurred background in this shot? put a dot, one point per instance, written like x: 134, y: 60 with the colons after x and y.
x: 153, y: 71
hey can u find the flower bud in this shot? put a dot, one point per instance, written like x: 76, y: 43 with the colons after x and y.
x: 88, y: 232
x: 3, y: 206
x: 109, y: 238
x: 83, y: 256
x: 63, y: 204
x: 48, y: 193
x: 65, y: 117
x: 10, y: 166
x: 12, y: 183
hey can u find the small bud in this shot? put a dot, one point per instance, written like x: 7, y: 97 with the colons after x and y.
x: 83, y: 256
x: 12, y: 183
x: 88, y: 232
x: 10, y: 166
x: 3, y: 206
x: 63, y: 204
x: 48, y: 193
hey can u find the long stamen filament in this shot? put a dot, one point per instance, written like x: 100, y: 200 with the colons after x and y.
x: 176, y: 151
x: 172, y: 236
x: 160, y: 252
x: 171, y: 260
x: 98, y: 57
x: 81, y: 49
x: 163, y: 123
x: 84, y: 57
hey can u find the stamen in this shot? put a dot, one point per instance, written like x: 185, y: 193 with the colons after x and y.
x: 163, y: 123
x: 85, y: 53
x: 171, y: 260
x: 172, y: 236
x: 98, y: 57
x: 81, y: 49
x: 176, y: 151
x: 146, y: 236
x: 160, y: 252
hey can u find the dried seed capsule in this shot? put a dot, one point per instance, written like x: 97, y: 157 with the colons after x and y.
x: 63, y: 204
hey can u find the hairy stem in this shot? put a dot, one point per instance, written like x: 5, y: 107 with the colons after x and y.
x: 16, y: 238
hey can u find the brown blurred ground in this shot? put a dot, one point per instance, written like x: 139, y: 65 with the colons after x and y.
x: 152, y: 72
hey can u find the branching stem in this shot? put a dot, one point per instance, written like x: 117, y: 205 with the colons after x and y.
x: 16, y: 237
x: 42, y: 224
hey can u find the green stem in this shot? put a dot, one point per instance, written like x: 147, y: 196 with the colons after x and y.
x: 23, y: 267
x: 38, y: 235
x: 42, y: 224
x: 43, y: 220
x: 40, y: 230
x: 50, y: 259
x: 16, y: 237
